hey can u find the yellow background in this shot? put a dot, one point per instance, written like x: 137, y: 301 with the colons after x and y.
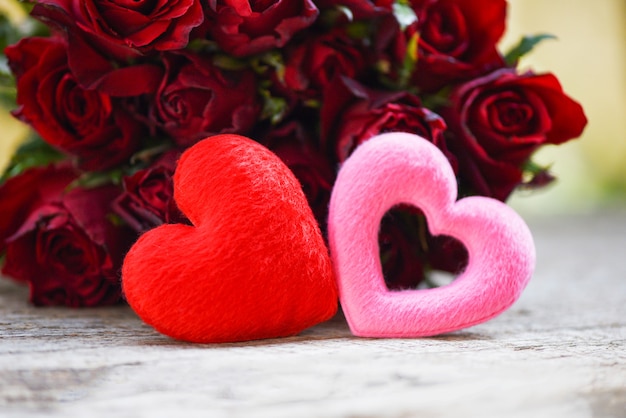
x: 589, y: 58
x: 11, y: 131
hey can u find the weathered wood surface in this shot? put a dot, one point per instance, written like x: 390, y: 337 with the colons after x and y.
x: 559, y: 352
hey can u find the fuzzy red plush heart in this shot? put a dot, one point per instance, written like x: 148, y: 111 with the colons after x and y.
x: 399, y: 167
x: 254, y: 264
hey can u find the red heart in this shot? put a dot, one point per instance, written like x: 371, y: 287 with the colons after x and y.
x: 253, y: 265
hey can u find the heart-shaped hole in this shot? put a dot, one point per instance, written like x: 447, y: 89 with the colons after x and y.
x: 413, y: 258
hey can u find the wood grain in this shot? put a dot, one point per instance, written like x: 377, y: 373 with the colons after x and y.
x: 559, y: 352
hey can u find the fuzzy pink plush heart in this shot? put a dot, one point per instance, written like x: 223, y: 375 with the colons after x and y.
x: 399, y: 168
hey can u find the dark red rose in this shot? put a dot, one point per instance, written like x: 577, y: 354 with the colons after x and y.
x: 117, y: 26
x: 360, y: 9
x: 312, y: 64
x: 297, y: 150
x: 499, y: 120
x: 197, y: 99
x: 85, y: 123
x: 243, y: 28
x: 352, y: 113
x: 20, y: 195
x: 401, y: 254
x: 446, y: 254
x: 457, y: 40
x: 111, y: 68
x: 409, y: 252
x: 148, y: 197
x: 65, y: 247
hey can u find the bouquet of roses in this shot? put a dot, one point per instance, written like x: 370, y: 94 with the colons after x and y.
x: 115, y: 90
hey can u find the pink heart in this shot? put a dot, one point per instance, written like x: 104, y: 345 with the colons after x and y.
x: 399, y: 168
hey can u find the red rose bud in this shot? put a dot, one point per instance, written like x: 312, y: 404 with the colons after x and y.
x: 148, y: 197
x: 352, y: 114
x: 498, y: 121
x: 457, y: 41
x: 197, y: 99
x: 85, y: 123
x: 312, y: 64
x: 66, y: 248
x: 243, y: 28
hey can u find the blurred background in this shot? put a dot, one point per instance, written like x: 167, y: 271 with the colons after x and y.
x: 589, y: 57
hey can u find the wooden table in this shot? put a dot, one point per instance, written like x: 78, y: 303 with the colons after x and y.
x: 559, y: 352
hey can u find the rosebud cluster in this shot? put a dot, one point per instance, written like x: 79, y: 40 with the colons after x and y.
x: 120, y: 88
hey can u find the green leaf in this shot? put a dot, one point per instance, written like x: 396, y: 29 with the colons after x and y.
x: 228, y: 62
x: 402, y: 79
x: 8, y: 33
x: 437, y: 100
x: 115, y: 219
x: 535, y: 176
x: 8, y: 91
x: 532, y: 167
x: 345, y: 11
x: 203, y: 45
x: 274, y: 108
x: 404, y: 13
x: 269, y: 61
x: 332, y: 15
x: 526, y: 44
x: 145, y: 156
x: 95, y: 179
x: 359, y: 30
x: 34, y: 152
x: 410, y: 58
x: 409, y: 63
